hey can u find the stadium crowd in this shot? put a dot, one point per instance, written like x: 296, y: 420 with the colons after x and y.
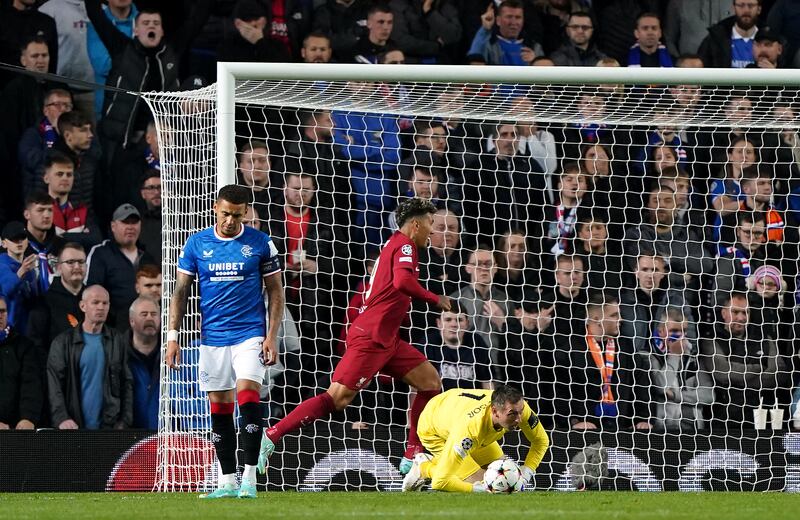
x: 623, y: 276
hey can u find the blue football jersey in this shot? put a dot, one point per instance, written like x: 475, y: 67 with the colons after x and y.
x: 229, y: 272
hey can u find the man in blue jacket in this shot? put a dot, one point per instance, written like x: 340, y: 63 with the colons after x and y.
x: 17, y: 275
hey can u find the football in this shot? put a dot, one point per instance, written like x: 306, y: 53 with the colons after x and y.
x: 503, y: 476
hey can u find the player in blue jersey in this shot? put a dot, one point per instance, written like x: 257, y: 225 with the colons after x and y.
x: 232, y: 263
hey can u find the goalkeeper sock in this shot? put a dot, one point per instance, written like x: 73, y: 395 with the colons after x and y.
x: 223, y: 435
x: 250, y: 432
x: 321, y: 405
x: 414, y: 446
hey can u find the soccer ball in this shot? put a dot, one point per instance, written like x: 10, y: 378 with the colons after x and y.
x: 503, y: 476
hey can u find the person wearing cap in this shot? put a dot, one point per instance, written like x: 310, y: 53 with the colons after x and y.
x: 113, y: 263
x: 729, y: 43
x: 251, y: 41
x: 17, y: 275
x: 767, y: 50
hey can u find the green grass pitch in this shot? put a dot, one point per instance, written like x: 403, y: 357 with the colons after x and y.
x: 329, y: 506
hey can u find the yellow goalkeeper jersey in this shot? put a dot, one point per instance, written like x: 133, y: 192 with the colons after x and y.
x: 457, y: 424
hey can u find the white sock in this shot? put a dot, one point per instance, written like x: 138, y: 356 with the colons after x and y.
x: 227, y: 480
x: 249, y: 473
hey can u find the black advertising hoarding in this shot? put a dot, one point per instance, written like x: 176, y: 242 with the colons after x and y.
x: 72, y: 461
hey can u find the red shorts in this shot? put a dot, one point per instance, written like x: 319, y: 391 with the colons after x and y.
x: 364, y: 358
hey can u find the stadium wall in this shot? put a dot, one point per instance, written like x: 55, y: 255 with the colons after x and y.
x: 69, y: 461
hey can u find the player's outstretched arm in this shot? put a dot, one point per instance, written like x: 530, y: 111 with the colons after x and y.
x: 177, y: 310
x: 274, y: 290
x: 540, y: 441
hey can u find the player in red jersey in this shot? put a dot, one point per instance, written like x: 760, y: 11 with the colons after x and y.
x: 373, y: 340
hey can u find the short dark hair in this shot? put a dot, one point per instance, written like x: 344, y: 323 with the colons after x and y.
x: 412, y: 208
x: 598, y: 300
x: 379, y: 7
x: 57, y: 92
x: 753, y: 172
x: 685, y: 57
x: 646, y: 14
x: 581, y: 14
x: 72, y: 119
x: 570, y: 258
x: 750, y: 217
x: 149, y: 174
x: 423, y: 125
x: 510, y: 4
x: 39, y: 197
x: 235, y: 194
x: 57, y: 157
x: 316, y: 34
x: 147, y: 10
x: 72, y: 245
x: 455, y: 308
x: 503, y: 394
x: 570, y: 167
x: 32, y: 39
x: 724, y: 299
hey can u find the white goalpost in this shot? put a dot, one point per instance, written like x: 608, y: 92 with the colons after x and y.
x: 639, y: 224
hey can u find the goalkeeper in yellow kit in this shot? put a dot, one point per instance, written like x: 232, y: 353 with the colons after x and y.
x: 460, y: 428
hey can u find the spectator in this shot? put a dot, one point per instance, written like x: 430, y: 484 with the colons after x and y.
x: 756, y: 197
x: 152, y: 227
x: 503, y: 43
x: 767, y: 50
x: 608, y: 182
x: 316, y: 48
x: 579, y: 51
x: 144, y: 361
x: 485, y: 304
x: 771, y: 307
x: 440, y: 264
x: 72, y: 25
x: 588, y: 390
x: 730, y: 42
x: 22, y: 21
x: 370, y: 143
x: 427, y: 30
x: 135, y: 66
x: 39, y: 138
x: 736, y: 263
x: 458, y: 354
x: 726, y: 192
x: 536, y: 140
x: 747, y: 368
x: 648, y: 51
x: 122, y: 14
x: 558, y: 226
x: 60, y: 308
x: 679, y: 389
x: 665, y: 134
x: 687, y: 21
x: 592, y: 107
x: 676, y: 242
x: 113, y: 263
x: 344, y: 21
x: 568, y: 297
x: 17, y: 276
x: 518, y: 271
x: 431, y: 150
x: 251, y: 41
x: 149, y: 282
x: 136, y: 163
x: 508, y: 187
x: 42, y: 238
x: 688, y: 212
x: 304, y: 232
x: 255, y: 172
x: 376, y: 41
x: 76, y: 138
x: 603, y: 263
x: 72, y: 221
x: 616, y: 23
x: 21, y: 386
x: 89, y: 383
x: 644, y: 298
x: 357, y: 301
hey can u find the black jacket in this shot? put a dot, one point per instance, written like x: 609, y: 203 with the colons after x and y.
x: 108, y: 266
x: 235, y: 48
x: 20, y: 381
x: 133, y: 67
x: 59, y: 311
x: 17, y: 26
x: 64, y: 379
x: 344, y: 25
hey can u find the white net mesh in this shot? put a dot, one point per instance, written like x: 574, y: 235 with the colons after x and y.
x: 647, y: 234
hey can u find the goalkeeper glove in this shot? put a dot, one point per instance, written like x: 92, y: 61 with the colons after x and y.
x: 527, y: 476
x: 480, y: 487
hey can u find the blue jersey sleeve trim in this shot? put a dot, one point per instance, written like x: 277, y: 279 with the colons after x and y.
x: 184, y: 271
x: 270, y: 274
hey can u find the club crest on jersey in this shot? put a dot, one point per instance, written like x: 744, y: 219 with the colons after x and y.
x: 247, y: 251
x: 208, y: 254
x: 406, y: 249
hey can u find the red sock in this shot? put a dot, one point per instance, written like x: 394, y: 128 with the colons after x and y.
x: 414, y: 446
x: 306, y: 412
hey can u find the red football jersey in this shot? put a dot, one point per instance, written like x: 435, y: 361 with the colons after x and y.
x: 385, y: 305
